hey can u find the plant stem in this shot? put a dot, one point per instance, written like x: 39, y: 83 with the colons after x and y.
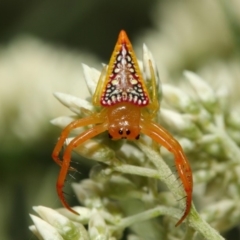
x: 141, y: 171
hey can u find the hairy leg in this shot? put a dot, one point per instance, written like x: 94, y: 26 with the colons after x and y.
x: 161, y: 136
x: 75, y: 124
x: 90, y: 133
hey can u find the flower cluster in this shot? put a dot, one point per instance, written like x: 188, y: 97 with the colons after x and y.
x: 124, y: 191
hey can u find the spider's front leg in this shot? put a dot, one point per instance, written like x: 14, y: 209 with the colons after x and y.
x: 65, y: 132
x: 160, y: 135
x: 65, y: 163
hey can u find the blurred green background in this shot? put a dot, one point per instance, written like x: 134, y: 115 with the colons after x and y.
x: 42, y: 46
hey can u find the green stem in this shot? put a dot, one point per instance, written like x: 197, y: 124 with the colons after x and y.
x: 195, y: 221
x: 141, y: 171
x: 189, y: 234
x: 146, y: 215
x: 165, y: 173
x: 202, y: 226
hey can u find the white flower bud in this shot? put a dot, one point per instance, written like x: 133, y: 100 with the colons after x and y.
x: 203, y: 176
x: 84, y: 212
x: 204, y: 91
x: 63, y: 121
x: 119, y: 187
x: 88, y: 193
x: 203, y: 118
x: 220, y: 210
x: 100, y: 173
x: 210, y: 144
x: 73, y: 103
x: 98, y: 229
x: 84, y: 233
x: 222, y: 95
x: 34, y: 230
x: 63, y: 225
x: 187, y: 144
x: 94, y: 150
x: 147, y: 55
x: 132, y: 153
x: 214, y: 149
x: 45, y: 230
x: 233, y: 119
x: 234, y: 134
x: 91, y: 76
x: 208, y: 139
x: 180, y: 123
x: 179, y: 99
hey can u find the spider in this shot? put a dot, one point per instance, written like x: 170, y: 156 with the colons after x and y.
x: 126, y: 110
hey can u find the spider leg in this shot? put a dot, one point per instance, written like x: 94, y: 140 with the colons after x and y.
x: 75, y: 124
x: 90, y: 133
x: 160, y: 135
x: 97, y: 95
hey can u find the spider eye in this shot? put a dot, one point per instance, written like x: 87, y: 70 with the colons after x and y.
x: 120, y: 131
x: 128, y: 131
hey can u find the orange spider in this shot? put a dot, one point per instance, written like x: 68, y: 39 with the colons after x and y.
x: 127, y: 111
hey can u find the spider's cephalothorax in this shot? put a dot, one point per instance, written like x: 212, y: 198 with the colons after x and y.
x: 127, y: 110
x: 120, y: 121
